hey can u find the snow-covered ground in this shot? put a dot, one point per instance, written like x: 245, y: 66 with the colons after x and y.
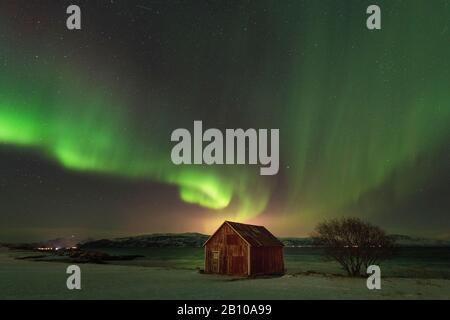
x: 22, y: 279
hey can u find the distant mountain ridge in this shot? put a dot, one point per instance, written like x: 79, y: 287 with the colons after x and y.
x: 407, y: 241
x: 194, y: 239
x: 188, y: 239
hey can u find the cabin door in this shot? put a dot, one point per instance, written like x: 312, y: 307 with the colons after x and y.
x: 215, y: 261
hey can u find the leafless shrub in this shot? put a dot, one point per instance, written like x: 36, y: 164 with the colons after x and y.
x: 353, y: 243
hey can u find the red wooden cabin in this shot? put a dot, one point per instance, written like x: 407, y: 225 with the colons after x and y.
x: 243, y: 249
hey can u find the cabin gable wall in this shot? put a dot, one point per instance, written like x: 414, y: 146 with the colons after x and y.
x: 226, y: 253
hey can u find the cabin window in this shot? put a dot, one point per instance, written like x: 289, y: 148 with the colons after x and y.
x: 232, y: 239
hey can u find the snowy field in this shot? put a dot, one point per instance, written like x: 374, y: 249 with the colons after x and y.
x: 22, y: 279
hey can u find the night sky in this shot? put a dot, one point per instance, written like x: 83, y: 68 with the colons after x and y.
x: 86, y: 116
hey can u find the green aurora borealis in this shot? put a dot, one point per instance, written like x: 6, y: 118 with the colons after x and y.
x: 77, y: 140
x: 364, y: 117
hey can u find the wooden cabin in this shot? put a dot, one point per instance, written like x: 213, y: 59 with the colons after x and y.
x: 243, y: 249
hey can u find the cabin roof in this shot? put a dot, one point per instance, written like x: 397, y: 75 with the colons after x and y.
x: 255, y: 236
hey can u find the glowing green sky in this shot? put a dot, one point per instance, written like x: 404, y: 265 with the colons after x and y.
x: 90, y: 132
x: 364, y: 117
x: 366, y: 104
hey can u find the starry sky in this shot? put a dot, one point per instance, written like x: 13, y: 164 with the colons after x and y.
x: 86, y: 116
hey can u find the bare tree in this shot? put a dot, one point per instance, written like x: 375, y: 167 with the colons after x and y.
x: 353, y: 243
